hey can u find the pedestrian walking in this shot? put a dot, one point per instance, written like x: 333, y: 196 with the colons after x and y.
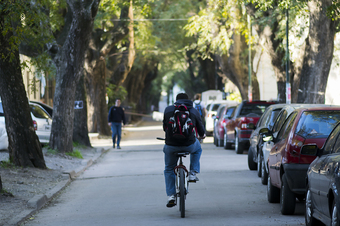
x: 115, y: 118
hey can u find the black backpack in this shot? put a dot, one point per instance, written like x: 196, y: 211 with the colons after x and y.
x: 180, y: 126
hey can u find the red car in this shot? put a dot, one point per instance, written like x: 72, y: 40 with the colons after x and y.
x: 287, y: 166
x: 242, y: 123
x: 220, y: 125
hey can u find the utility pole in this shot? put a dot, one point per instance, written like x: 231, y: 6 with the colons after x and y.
x: 250, y: 92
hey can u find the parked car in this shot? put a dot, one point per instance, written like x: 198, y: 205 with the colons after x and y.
x: 42, y: 122
x: 268, y: 145
x: 323, y: 181
x: 266, y: 121
x: 220, y: 125
x: 211, y: 113
x: 322, y: 198
x: 3, y: 136
x: 47, y: 108
x: 287, y: 165
x: 242, y: 124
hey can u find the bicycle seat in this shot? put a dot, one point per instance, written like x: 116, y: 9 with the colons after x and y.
x: 181, y: 153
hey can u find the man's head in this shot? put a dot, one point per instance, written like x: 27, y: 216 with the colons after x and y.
x: 117, y: 103
x: 197, y: 96
x: 182, y: 96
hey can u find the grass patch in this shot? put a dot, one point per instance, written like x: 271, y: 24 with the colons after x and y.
x: 75, y: 153
x: 51, y: 151
x: 6, y: 164
x: 77, y: 145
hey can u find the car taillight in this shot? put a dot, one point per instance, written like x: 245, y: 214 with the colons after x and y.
x: 295, y: 148
x: 35, y: 125
x: 247, y: 123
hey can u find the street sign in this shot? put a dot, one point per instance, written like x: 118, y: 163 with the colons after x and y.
x: 78, y: 104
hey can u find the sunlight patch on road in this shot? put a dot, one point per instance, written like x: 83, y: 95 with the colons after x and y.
x: 143, y: 128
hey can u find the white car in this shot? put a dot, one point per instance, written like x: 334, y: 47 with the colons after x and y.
x: 42, y: 122
x: 211, y: 113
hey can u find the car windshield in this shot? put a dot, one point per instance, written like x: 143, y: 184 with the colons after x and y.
x: 317, y: 124
x: 215, y: 107
x: 253, y: 108
x: 38, y: 112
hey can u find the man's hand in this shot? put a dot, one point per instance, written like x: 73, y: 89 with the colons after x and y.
x: 109, y: 124
x: 202, y: 137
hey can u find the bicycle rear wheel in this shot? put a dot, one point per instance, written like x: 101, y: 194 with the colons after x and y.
x: 182, y: 192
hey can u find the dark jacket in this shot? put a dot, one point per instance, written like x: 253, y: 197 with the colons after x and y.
x: 116, y: 114
x: 194, y: 116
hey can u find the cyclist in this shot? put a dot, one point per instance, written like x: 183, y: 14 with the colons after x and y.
x: 191, y: 145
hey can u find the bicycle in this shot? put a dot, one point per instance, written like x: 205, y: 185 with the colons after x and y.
x: 182, y: 182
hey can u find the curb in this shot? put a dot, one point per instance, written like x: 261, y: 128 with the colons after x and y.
x: 38, y: 201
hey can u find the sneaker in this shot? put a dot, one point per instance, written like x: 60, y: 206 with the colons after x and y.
x: 171, y: 201
x: 193, y: 177
x: 118, y: 147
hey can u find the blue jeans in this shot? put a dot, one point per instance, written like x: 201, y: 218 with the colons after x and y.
x: 171, y: 160
x: 116, y: 128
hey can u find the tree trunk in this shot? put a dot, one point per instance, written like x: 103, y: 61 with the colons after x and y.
x: 236, y: 71
x: 80, y: 130
x: 138, y: 80
x: 24, y: 146
x: 69, y: 62
x: 96, y: 72
x: 208, y: 70
x: 318, y: 53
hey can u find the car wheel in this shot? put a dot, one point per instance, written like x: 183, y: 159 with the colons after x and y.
x: 264, y: 173
x: 225, y: 143
x: 273, y: 193
x: 259, y: 163
x: 251, y: 164
x: 309, y: 219
x: 238, y: 145
x: 335, y: 215
x: 287, y: 199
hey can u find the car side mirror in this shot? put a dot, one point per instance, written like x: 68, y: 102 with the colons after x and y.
x: 309, y: 149
x: 264, y: 131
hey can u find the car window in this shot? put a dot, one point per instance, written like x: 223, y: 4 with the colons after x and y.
x: 317, y: 124
x: 234, y: 112
x: 329, y: 144
x: 271, y: 120
x: 38, y: 112
x: 262, y: 121
x: 284, y: 131
x: 230, y: 111
x: 279, y: 121
x: 215, y: 107
x: 253, y: 108
x: 208, y: 107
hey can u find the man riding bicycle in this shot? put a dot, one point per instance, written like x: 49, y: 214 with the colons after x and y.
x: 172, y: 145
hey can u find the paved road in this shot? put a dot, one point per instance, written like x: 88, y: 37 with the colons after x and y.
x: 126, y: 187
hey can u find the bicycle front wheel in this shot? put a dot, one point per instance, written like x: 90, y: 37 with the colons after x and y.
x: 182, y: 192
